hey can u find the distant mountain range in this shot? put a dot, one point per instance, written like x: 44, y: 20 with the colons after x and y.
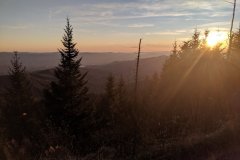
x: 97, y: 74
x: 42, y: 61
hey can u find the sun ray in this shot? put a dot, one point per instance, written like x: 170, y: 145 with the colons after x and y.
x: 182, y: 80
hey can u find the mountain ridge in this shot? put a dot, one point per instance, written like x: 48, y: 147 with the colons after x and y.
x: 42, y: 61
x: 97, y: 74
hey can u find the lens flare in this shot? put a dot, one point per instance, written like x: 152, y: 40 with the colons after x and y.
x: 215, y: 38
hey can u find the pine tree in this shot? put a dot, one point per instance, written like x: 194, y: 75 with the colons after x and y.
x: 195, y: 43
x: 172, y: 60
x: 104, y: 115
x: 19, y: 101
x: 121, y: 106
x: 236, y: 40
x: 190, y: 46
x: 235, y: 54
x: 67, y: 98
x: 105, y: 110
x: 121, y: 93
x: 204, y: 41
x: 19, y: 113
x: 110, y: 88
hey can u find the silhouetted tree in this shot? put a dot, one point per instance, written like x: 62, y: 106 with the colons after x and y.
x: 121, y: 92
x: 19, y: 102
x: 172, y: 60
x: 115, y: 121
x: 195, y: 42
x: 18, y: 114
x: 187, y: 85
x: 110, y: 89
x: 236, y: 43
x: 67, y: 98
x: 124, y: 129
x: 104, y: 114
x: 204, y: 41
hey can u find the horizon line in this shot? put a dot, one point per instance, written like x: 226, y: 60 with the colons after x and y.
x: 83, y: 51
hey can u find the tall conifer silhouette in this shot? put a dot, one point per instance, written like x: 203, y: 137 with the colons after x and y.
x: 17, y: 113
x: 66, y: 100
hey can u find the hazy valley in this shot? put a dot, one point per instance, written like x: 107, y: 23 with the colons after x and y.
x: 98, y: 65
x: 42, y: 61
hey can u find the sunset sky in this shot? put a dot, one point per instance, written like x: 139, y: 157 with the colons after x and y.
x: 108, y: 25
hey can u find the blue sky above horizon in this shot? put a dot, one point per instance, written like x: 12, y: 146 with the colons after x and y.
x: 108, y: 25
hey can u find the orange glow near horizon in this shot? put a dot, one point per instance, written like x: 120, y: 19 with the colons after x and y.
x: 84, y: 45
x: 40, y: 41
x: 88, y: 48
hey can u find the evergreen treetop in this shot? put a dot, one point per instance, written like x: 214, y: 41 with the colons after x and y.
x: 19, y: 92
x: 69, y: 91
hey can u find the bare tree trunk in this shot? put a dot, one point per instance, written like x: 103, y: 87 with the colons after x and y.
x: 137, y: 68
x: 231, y: 34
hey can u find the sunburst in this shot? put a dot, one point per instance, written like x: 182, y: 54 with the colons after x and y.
x: 217, y: 37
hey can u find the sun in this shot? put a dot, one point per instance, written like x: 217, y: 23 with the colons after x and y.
x: 217, y: 37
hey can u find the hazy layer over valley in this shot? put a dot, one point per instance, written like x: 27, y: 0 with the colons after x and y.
x: 42, y: 61
x: 98, y: 65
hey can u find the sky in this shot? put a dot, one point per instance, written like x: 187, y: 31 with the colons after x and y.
x: 109, y: 25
